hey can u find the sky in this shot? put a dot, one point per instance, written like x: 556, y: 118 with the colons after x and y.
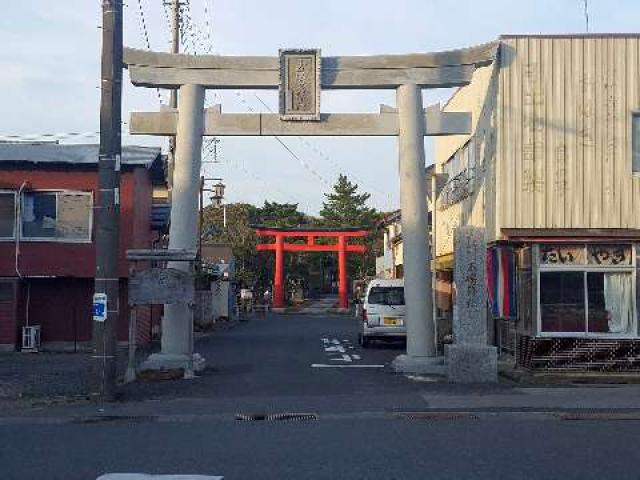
x: 50, y: 69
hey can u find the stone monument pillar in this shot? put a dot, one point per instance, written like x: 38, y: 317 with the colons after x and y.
x: 470, y: 359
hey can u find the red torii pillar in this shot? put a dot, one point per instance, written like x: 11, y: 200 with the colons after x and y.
x: 280, y: 246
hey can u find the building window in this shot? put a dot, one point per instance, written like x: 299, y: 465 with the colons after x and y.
x: 635, y: 142
x: 562, y: 301
x: 60, y: 216
x: 587, y: 290
x: 7, y: 215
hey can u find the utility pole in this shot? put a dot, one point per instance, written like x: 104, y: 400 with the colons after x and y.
x: 106, y: 299
x: 173, y: 99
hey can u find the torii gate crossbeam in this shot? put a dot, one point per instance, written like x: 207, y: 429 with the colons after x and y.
x: 342, y: 247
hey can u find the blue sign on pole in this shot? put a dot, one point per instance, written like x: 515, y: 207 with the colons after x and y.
x: 99, y: 307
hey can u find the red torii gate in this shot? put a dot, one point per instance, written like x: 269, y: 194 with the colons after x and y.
x: 279, y: 246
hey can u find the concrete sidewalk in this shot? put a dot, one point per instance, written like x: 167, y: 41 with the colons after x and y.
x: 623, y: 397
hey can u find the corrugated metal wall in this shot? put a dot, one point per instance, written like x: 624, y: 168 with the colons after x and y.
x: 564, y: 124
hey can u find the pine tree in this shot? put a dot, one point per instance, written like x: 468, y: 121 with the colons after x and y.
x: 345, y: 207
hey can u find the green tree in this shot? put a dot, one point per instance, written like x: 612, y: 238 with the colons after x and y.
x: 345, y: 206
x: 282, y: 215
x: 239, y: 234
x: 254, y: 269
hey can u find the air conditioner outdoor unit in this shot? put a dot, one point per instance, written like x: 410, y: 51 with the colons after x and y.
x: 31, y: 338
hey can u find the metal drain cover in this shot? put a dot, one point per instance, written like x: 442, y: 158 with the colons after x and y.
x: 115, y: 418
x: 256, y: 417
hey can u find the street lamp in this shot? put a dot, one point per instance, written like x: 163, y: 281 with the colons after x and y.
x: 217, y: 193
x: 217, y: 196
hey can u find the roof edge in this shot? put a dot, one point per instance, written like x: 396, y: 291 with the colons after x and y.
x: 508, y: 36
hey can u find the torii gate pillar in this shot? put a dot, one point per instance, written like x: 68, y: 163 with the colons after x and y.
x: 343, y: 301
x: 421, y: 348
x: 278, y: 281
x: 177, y: 322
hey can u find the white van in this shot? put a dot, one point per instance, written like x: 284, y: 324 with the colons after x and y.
x: 383, y: 311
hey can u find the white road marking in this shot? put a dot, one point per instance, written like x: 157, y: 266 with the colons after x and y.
x: 336, y: 352
x: 344, y: 358
x: 335, y: 349
x: 324, y: 365
x: 145, y: 476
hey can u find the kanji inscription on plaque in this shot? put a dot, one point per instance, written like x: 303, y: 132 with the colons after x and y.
x: 300, y: 84
x: 161, y: 286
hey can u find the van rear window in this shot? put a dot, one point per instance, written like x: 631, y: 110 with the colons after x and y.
x: 386, y: 296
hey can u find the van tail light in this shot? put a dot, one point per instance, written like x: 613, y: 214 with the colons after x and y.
x: 364, y: 314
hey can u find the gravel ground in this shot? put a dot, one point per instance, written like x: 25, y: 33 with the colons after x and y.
x: 43, y: 374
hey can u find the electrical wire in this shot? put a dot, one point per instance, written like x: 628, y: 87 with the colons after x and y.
x: 208, y: 20
x: 333, y: 163
x: 306, y: 165
x: 145, y: 36
x: 195, y: 37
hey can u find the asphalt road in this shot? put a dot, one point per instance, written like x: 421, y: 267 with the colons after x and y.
x: 266, y: 366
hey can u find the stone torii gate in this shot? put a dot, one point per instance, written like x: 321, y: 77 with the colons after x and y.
x: 342, y: 247
x: 300, y: 75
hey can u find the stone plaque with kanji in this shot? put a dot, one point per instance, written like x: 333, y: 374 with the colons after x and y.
x: 300, y: 84
x: 159, y: 286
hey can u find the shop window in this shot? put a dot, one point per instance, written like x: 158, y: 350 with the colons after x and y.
x: 562, y: 301
x: 63, y: 216
x: 610, y: 302
x: 7, y: 214
x: 587, y: 289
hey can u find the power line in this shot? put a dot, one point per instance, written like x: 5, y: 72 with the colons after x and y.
x: 266, y: 186
x: 279, y: 140
x: 145, y: 36
x: 208, y: 21
x: 319, y: 152
x: 194, y: 33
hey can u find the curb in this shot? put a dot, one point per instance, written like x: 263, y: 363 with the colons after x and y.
x: 561, y: 414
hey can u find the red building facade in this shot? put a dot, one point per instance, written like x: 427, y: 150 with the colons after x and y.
x: 47, y: 248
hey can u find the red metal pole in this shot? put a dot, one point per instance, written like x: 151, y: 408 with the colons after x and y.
x: 342, y: 272
x: 278, y: 283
